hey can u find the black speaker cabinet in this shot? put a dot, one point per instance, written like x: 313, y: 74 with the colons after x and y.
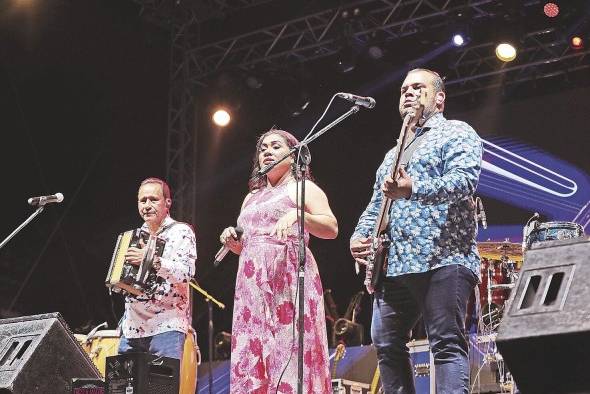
x: 545, y: 335
x: 142, y: 373
x: 38, y: 354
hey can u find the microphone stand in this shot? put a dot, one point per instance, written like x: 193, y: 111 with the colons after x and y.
x: 210, y: 300
x: 27, y: 221
x: 301, y: 172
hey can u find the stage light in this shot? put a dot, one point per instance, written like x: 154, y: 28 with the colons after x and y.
x: 458, y: 40
x: 375, y: 52
x: 221, y: 117
x: 346, y: 59
x: 296, y: 102
x: 551, y: 10
x: 506, y: 52
x: 253, y: 82
x: 345, y: 65
x: 576, y: 42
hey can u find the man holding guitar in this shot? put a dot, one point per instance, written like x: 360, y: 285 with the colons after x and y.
x: 427, y: 220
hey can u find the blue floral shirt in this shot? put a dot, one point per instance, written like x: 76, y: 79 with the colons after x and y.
x: 436, y: 226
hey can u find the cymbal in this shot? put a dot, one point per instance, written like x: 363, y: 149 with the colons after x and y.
x: 497, y: 250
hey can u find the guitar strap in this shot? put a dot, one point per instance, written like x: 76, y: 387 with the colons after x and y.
x: 412, y: 146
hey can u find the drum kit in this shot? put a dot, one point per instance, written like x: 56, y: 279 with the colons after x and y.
x: 501, y: 263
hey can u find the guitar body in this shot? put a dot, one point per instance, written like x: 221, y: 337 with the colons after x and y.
x: 379, y: 261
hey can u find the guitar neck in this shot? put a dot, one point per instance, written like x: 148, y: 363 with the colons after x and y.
x: 383, y: 218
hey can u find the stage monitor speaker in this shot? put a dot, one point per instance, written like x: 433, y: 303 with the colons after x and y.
x: 545, y: 335
x: 38, y: 354
x: 142, y: 373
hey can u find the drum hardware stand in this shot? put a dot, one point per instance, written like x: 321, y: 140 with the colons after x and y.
x: 303, y: 160
x: 19, y: 228
x: 491, y: 355
x: 530, y: 225
x: 210, y: 300
x: 93, y: 331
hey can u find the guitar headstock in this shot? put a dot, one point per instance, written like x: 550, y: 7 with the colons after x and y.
x: 340, y: 352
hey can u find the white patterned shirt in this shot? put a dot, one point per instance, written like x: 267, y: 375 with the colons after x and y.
x: 168, y: 308
x: 436, y: 226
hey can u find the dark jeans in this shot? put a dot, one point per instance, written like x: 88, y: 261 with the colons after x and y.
x: 440, y: 296
x: 167, y: 344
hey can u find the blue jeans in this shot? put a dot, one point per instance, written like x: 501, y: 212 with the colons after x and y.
x: 440, y: 297
x: 167, y: 344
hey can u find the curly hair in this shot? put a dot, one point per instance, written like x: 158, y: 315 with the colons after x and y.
x: 258, y: 182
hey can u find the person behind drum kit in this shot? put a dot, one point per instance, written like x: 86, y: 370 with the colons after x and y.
x: 264, y: 353
x: 159, y: 324
x: 433, y: 264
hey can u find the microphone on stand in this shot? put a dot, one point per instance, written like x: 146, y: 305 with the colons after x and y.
x: 224, y: 249
x: 42, y: 200
x: 482, y: 213
x: 367, y: 102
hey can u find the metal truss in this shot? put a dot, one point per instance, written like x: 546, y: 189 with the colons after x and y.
x: 323, y: 33
x: 188, y: 12
x: 181, y: 138
x: 542, y: 54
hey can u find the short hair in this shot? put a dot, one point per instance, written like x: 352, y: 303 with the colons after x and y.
x: 437, y: 81
x: 162, y: 183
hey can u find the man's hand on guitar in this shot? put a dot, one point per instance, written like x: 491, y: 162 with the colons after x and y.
x: 359, y: 248
x: 400, y: 188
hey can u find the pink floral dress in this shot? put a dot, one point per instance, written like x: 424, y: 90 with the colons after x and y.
x: 264, y: 335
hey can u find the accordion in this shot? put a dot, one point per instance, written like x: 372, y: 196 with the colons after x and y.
x: 137, y: 280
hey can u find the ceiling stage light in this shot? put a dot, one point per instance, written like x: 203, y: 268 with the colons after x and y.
x: 221, y: 117
x: 551, y: 10
x: 375, y: 52
x: 506, y: 52
x: 576, y: 42
x: 458, y: 40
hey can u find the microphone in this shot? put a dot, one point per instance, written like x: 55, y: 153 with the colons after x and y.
x: 42, y: 200
x: 482, y: 213
x: 224, y: 249
x: 367, y: 102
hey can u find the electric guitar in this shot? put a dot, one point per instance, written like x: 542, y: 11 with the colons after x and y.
x: 380, y: 243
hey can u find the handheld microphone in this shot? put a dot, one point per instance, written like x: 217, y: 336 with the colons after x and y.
x: 42, y: 200
x: 224, y: 249
x: 367, y: 102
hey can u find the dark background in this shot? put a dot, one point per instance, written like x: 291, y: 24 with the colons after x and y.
x: 83, y: 98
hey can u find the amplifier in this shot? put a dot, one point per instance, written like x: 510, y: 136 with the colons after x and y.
x: 142, y: 373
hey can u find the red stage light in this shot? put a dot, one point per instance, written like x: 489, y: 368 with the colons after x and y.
x: 551, y: 10
x: 577, y: 42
